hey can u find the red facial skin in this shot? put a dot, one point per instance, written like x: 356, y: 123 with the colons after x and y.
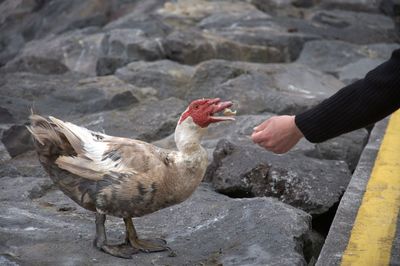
x: 202, y: 111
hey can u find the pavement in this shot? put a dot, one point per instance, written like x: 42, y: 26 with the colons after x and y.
x: 366, y: 227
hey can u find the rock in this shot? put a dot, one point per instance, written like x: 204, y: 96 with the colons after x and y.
x: 192, y: 47
x: 127, y: 45
x: 256, y: 88
x: 57, y: 16
x: 256, y: 30
x: 77, y: 50
x: 353, y: 27
x: 347, y: 147
x: 167, y: 78
x: 24, y: 165
x: 357, y: 70
x: 286, y: 8
x: 40, y: 188
x: 38, y: 65
x: 205, y: 229
x: 99, y: 94
x: 306, y: 183
x: 7, y: 169
x: 4, y: 155
x: 148, y: 25
x: 17, y: 140
x: 313, y: 245
x: 390, y: 7
x: 351, y: 5
x: 10, y: 44
x: 5, y: 116
x: 334, y: 57
x: 187, y: 13
x: 149, y: 121
x: 65, y: 96
x: 220, y: 20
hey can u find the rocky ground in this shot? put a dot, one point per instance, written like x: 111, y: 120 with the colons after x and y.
x: 129, y: 68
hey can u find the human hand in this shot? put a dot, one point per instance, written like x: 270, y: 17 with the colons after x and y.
x: 278, y: 134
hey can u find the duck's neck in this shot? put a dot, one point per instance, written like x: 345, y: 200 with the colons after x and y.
x: 188, y: 136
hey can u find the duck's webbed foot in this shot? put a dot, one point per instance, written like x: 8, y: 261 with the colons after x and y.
x: 132, y: 244
x: 124, y: 250
x: 144, y: 245
x: 121, y: 250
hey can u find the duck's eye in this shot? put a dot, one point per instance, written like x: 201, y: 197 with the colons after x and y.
x: 196, y: 107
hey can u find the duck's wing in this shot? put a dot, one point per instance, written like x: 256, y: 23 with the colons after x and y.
x: 99, y: 155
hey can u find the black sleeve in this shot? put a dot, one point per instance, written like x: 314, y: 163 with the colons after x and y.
x: 355, y: 106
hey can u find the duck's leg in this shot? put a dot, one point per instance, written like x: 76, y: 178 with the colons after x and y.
x: 101, y: 237
x: 124, y: 250
x: 145, y: 245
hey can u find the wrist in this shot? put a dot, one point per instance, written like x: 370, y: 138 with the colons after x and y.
x: 295, y: 130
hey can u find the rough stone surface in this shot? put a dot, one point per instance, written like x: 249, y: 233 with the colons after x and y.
x: 353, y: 27
x: 256, y: 88
x: 77, y: 50
x: 17, y: 140
x: 347, y: 147
x: 150, y: 121
x: 65, y: 95
x: 166, y: 78
x: 353, y: 5
x: 206, y: 229
x: 4, y: 155
x: 243, y: 171
x: 192, y: 47
x: 5, y: 116
x: 345, y: 60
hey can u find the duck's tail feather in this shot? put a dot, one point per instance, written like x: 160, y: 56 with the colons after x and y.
x: 50, y: 142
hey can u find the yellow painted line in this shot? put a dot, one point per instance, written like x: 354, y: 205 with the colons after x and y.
x: 375, y: 225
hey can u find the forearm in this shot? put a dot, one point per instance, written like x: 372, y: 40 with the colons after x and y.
x: 355, y: 106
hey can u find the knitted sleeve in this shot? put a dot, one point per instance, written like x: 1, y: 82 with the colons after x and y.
x: 355, y: 106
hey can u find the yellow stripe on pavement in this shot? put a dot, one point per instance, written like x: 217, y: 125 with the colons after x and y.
x: 375, y: 225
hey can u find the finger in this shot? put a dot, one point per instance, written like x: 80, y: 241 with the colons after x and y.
x: 258, y: 137
x: 262, y: 126
x: 266, y: 145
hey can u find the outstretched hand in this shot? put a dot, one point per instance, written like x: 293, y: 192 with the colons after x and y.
x: 278, y: 134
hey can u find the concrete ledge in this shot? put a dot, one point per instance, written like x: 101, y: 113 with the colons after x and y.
x: 339, y: 234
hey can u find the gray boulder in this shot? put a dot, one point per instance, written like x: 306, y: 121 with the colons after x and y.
x: 255, y: 30
x: 303, y: 182
x: 76, y: 50
x: 166, y: 78
x: 351, y: 5
x: 4, y: 155
x: 345, y: 60
x: 192, y: 47
x: 23, y: 165
x: 347, y: 147
x: 256, y: 88
x: 122, y: 46
x: 208, y: 228
x: 149, y: 25
x: 353, y: 27
x: 65, y: 95
x: 185, y: 14
x: 149, y: 121
x: 17, y: 140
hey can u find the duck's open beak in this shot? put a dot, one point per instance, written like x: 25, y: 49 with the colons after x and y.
x: 218, y: 106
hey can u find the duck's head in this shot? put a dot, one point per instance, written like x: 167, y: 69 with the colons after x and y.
x: 203, y: 112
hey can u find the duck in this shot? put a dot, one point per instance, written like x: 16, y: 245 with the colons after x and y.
x: 125, y: 177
